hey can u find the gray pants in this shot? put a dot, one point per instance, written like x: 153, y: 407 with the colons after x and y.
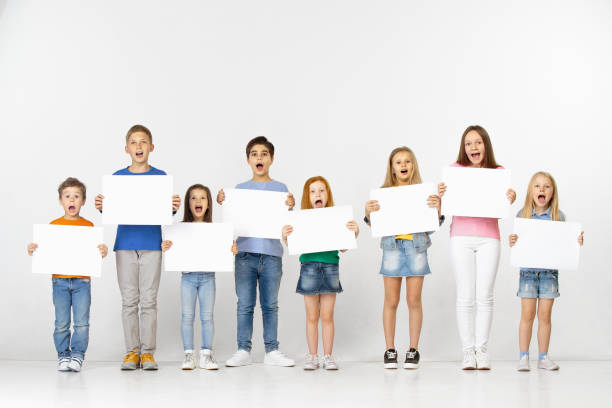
x: 138, y: 274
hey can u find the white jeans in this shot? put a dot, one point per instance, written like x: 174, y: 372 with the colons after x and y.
x: 475, y: 262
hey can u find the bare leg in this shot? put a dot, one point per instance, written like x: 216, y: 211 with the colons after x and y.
x: 544, y: 324
x: 328, y: 300
x: 528, y: 312
x: 312, y: 322
x: 393, y: 287
x: 414, y: 287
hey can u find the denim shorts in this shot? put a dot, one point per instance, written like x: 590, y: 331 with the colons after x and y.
x: 317, y: 278
x: 539, y: 284
x: 404, y: 260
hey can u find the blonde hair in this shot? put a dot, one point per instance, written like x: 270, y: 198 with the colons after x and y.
x: 390, y: 179
x: 306, y: 204
x: 555, y: 214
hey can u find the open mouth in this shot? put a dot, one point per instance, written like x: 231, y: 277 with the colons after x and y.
x: 139, y: 154
x: 541, y: 198
x: 404, y: 172
x: 475, y: 156
x: 198, y: 208
x: 319, y: 204
x: 71, y: 208
x: 259, y: 166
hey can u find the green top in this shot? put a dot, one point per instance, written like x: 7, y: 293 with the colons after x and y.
x: 329, y: 257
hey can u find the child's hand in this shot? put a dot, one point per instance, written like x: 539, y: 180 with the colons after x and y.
x: 441, y: 189
x: 352, y: 225
x: 434, y: 201
x: 103, y: 250
x: 371, y: 206
x: 234, y: 248
x: 31, y: 248
x: 290, y: 202
x: 220, y: 197
x: 176, y: 202
x: 98, y: 202
x: 511, y: 194
x: 512, y: 239
x: 287, y: 230
x: 166, y: 245
x: 581, y: 238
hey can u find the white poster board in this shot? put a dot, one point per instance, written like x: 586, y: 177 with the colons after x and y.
x: 404, y: 210
x: 67, y: 250
x: 320, y: 229
x: 255, y: 213
x: 199, y: 247
x: 137, y: 200
x: 475, y: 192
x: 546, y: 244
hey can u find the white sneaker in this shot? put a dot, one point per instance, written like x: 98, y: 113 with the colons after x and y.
x: 523, y: 364
x: 311, y: 362
x: 239, y: 359
x: 483, y: 361
x: 207, y: 360
x: 469, y: 360
x: 547, y: 364
x: 329, y: 363
x: 75, y: 364
x: 277, y: 358
x: 62, y: 364
x: 188, y: 361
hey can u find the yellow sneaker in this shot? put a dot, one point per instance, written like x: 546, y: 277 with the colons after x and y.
x: 131, y: 361
x: 148, y: 362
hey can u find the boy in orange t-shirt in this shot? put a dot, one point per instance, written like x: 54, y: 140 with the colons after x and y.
x: 71, y: 291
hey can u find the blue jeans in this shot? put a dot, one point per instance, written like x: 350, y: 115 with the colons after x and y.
x: 267, y: 270
x: 72, y: 293
x: 201, y: 285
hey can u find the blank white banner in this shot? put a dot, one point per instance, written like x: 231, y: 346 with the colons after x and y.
x: 320, y: 229
x: 137, y: 200
x: 255, y: 213
x: 199, y: 247
x: 404, y: 210
x: 67, y: 250
x: 476, y: 192
x: 546, y: 244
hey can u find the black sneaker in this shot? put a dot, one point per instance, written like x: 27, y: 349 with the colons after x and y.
x: 412, y: 359
x: 391, y: 358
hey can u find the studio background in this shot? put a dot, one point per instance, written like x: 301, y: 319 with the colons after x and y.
x: 335, y: 85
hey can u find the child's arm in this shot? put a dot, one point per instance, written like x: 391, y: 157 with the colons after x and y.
x: 287, y: 230
x: 370, y: 207
x: 98, y: 202
x: 581, y: 238
x: 176, y: 203
x: 31, y: 248
x: 434, y: 201
x: 352, y: 225
x: 165, y: 245
x: 234, y: 248
x: 290, y: 202
x: 103, y: 250
x: 220, y: 197
x: 441, y: 189
x: 511, y: 195
x: 512, y: 238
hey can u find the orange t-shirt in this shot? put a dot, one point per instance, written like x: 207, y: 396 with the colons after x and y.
x: 81, y: 222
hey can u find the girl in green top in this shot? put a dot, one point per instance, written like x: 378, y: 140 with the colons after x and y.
x: 319, y: 280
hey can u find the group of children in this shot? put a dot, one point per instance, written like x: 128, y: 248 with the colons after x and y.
x: 475, y: 249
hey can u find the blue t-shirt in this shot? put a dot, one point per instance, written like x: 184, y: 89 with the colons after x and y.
x: 263, y: 246
x: 138, y: 237
x: 544, y: 216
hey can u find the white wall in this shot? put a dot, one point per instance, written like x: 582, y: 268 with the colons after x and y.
x: 335, y: 85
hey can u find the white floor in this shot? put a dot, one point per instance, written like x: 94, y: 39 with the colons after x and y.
x: 435, y: 384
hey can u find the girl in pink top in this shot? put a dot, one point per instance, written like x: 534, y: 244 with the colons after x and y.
x: 475, y: 249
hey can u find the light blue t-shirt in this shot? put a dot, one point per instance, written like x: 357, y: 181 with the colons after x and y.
x: 263, y: 246
x: 544, y: 216
x: 138, y: 237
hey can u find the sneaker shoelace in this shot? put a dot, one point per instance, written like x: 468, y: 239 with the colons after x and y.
x: 468, y: 355
x: 411, y: 354
x: 328, y: 360
x: 189, y: 358
x: 391, y: 355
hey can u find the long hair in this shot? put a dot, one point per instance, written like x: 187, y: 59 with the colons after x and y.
x: 529, y: 206
x: 188, y: 215
x: 390, y: 179
x: 488, y: 161
x: 306, y: 205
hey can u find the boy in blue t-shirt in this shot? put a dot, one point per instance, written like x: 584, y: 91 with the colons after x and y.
x: 259, y: 260
x: 138, y: 255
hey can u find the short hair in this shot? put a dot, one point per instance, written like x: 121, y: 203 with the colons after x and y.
x: 260, y: 140
x: 72, y: 182
x: 138, y: 128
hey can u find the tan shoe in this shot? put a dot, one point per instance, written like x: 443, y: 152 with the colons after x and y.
x: 148, y: 362
x: 131, y: 361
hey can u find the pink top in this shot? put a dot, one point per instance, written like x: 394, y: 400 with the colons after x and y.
x: 474, y: 226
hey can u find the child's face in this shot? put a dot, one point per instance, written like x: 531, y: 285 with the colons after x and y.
x: 402, y: 166
x: 474, y: 147
x: 318, y: 194
x: 260, y: 160
x: 72, y: 200
x: 198, y: 203
x: 138, y: 147
x: 542, y: 191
